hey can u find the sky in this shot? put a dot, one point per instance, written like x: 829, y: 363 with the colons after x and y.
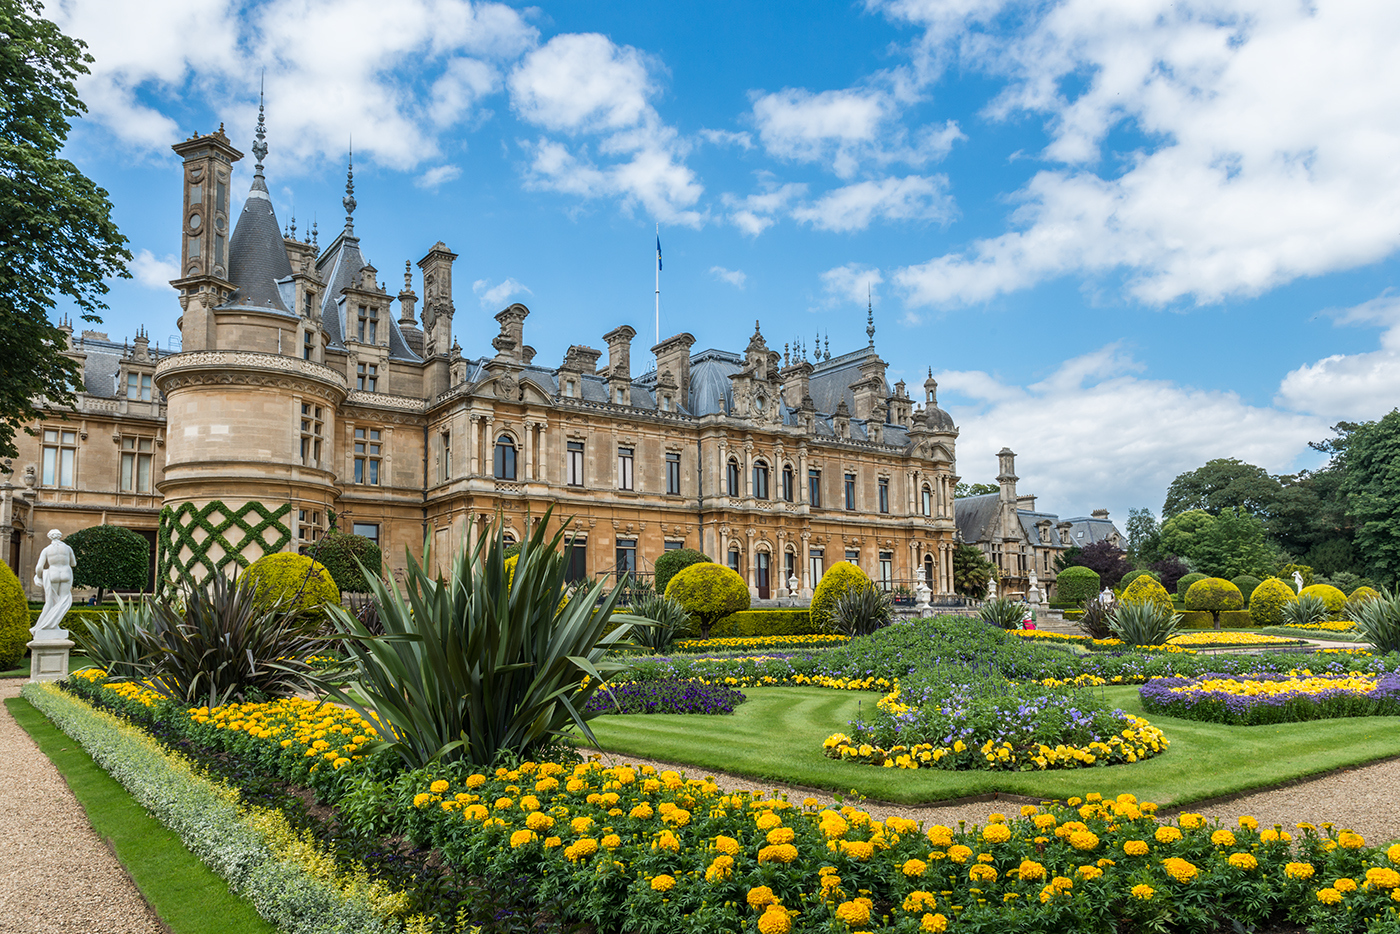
x: 1127, y: 236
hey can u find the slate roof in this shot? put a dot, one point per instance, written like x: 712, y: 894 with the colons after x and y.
x: 975, y: 515
x: 1086, y: 530
x: 103, y: 364
x: 340, y: 267
x: 257, y: 254
x: 709, y: 381
x: 831, y: 380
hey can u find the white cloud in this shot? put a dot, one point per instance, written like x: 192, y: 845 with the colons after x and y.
x: 852, y: 283
x: 727, y: 138
x: 1352, y: 387
x: 734, y: 277
x: 854, y: 207
x: 394, y: 74
x: 582, y: 81
x: 494, y: 296
x: 155, y: 272
x: 1269, y: 143
x: 1093, y: 434
x: 756, y: 213
x: 437, y: 176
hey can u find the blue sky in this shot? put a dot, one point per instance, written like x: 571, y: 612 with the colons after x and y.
x: 1127, y: 236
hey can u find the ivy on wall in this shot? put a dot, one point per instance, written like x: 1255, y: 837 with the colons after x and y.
x: 234, y: 529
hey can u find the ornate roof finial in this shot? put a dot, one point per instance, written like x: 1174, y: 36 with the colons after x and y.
x: 260, y: 146
x: 827, y: 356
x: 349, y: 200
x: 313, y: 234
x: 869, y: 316
x: 787, y: 359
x: 408, y: 275
x: 294, y: 224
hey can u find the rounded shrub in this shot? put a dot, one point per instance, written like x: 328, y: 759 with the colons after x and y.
x: 1134, y: 575
x: 841, y: 578
x: 1246, y: 583
x: 291, y: 579
x: 1360, y: 595
x: 338, y: 552
x: 1184, y: 584
x: 110, y: 558
x: 1335, y: 600
x: 1216, y: 595
x: 14, y: 619
x: 1077, y: 585
x: 709, y: 592
x: 1146, y: 590
x: 1267, y: 601
x: 671, y: 563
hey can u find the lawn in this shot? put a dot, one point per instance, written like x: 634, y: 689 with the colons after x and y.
x: 777, y: 736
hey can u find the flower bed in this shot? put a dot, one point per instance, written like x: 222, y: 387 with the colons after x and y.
x: 747, y: 643
x: 690, y: 696
x: 1232, y: 638
x: 1272, y: 697
x: 1331, y: 625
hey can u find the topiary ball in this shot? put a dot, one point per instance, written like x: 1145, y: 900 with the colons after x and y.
x: 1336, y: 600
x: 14, y: 619
x: 1185, y: 583
x: 1361, y: 594
x: 1267, y: 602
x: 1134, y: 575
x: 1077, y: 585
x: 1214, y: 594
x: 285, y: 578
x: 1246, y: 583
x: 709, y: 592
x: 841, y: 578
x: 1147, y: 590
x: 671, y: 563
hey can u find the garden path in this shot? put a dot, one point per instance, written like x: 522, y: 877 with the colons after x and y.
x: 56, y: 875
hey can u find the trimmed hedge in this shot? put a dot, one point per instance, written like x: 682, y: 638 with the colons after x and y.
x: 670, y: 563
x: 284, y: 575
x: 1214, y: 595
x: 1246, y: 583
x: 1266, y: 603
x: 1229, y: 619
x: 840, y: 579
x: 1184, y: 584
x: 339, y: 553
x: 1077, y: 584
x: 14, y: 619
x: 110, y: 557
x: 1360, y: 595
x: 709, y: 592
x: 1336, y: 600
x: 749, y: 623
x: 1134, y: 575
x: 1147, y: 590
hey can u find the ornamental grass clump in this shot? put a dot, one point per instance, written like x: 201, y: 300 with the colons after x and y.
x: 1307, y: 611
x: 1378, y: 621
x: 1094, y: 622
x: 113, y: 644
x: 668, y: 619
x: 483, y: 664
x: 1003, y: 612
x: 861, y: 611
x: 1143, y: 623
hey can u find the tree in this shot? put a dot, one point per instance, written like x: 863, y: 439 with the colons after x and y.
x: 709, y: 592
x: 1224, y: 483
x: 1170, y: 570
x: 110, y: 558
x: 671, y: 563
x: 841, y: 578
x: 1215, y: 596
x: 1105, y: 559
x: 1181, y: 533
x: 1069, y: 558
x: 963, y: 490
x: 1231, y: 545
x: 57, y: 236
x: 1371, y: 461
x: 1144, y: 537
x: 1076, y: 585
x: 972, y: 572
x: 342, y: 554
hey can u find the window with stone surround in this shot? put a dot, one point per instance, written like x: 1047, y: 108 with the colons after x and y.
x: 850, y: 489
x: 60, y: 458
x: 369, y: 530
x: 814, y: 487
x: 138, y: 387
x: 760, y: 479
x: 308, y: 525
x: 367, y: 377
x: 369, y: 325
x: 137, y: 454
x: 788, y: 484
x: 367, y: 453
x: 673, y: 475
x: 311, y: 434
x: 624, y: 468
x: 575, y: 466
x: 884, y: 486
x: 926, y: 503
x: 505, y: 458
x: 731, y: 477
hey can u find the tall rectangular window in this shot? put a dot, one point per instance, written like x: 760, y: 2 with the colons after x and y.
x: 884, y: 494
x: 307, y: 342
x: 626, y: 556
x: 673, y: 474
x: 926, y: 501
x: 850, y: 489
x: 136, y: 465
x: 624, y: 468
x: 446, y: 461
x: 367, y: 450
x: 731, y: 477
x: 367, y: 377
x: 760, y: 480
x: 886, y: 570
x: 576, y: 554
x: 734, y: 561
x: 787, y: 483
x: 816, y: 565
x: 369, y: 530
x: 814, y: 488
x: 368, y: 325
x: 138, y: 387
x: 311, y: 425
x: 308, y: 525
x: 575, y: 463
x: 219, y: 249
x: 60, y: 457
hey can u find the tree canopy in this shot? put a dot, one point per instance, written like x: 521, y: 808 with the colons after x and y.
x: 1223, y: 483
x: 110, y: 558
x: 57, y: 236
x: 972, y: 572
x: 965, y: 489
x: 1144, y: 537
x: 1370, y: 461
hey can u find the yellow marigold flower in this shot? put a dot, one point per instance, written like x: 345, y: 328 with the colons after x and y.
x: 1144, y: 892
x: 581, y: 850
x: 912, y: 868
x: 1191, y: 821
x: 1329, y: 896
x: 581, y: 824
x: 1244, y: 861
x: 1167, y: 835
x: 474, y: 812
x: 996, y: 833
x: 1135, y: 847
x: 760, y: 896
x: 774, y: 920
x: 959, y: 853
x: 1179, y: 869
x: 1393, y: 854
x: 520, y: 838
x: 1044, y: 821
x: 1299, y: 870
x: 938, y: 835
x: 1249, y: 823
x: 768, y: 820
x: 859, y: 849
x: 421, y: 799
x: 982, y: 873
x: 781, y: 853
x: 830, y: 886
x: 1345, y: 884
x: 475, y: 781
x: 1031, y: 871
x: 917, y: 901
x: 439, y: 787
x: 503, y: 804
x: 781, y: 835
x: 663, y: 883
x: 727, y: 845
x: 642, y: 812
x: 1383, y: 878
x: 677, y: 816
x: 934, y: 923
x: 1222, y: 838
x: 1083, y: 840
x: 539, y: 822
x: 611, y: 842
x: 853, y: 913
x: 1089, y: 873
x: 545, y: 785
x: 1028, y: 809
x: 667, y: 841
x: 529, y: 803
x: 1062, y: 883
x: 1350, y: 841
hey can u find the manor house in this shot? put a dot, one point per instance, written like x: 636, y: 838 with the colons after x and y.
x: 299, y: 394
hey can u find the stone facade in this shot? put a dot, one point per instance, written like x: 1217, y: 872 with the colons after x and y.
x: 299, y: 392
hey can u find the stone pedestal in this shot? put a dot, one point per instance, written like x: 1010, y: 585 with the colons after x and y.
x: 48, y: 659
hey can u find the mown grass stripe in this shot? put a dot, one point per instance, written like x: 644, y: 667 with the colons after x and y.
x: 188, y: 897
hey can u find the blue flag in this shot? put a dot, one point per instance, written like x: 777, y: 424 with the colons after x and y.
x: 658, y: 252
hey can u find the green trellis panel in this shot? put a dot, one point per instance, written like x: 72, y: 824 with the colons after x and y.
x: 233, y: 528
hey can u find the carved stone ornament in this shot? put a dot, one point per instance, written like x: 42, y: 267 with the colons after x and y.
x: 507, y: 388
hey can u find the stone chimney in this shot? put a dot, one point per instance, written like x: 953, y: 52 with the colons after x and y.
x: 1100, y: 514
x: 620, y: 364
x: 900, y: 406
x: 512, y: 322
x: 841, y: 421
x: 673, y: 355
x: 1026, y: 501
x: 1006, y: 458
x: 797, y: 384
x: 866, y: 392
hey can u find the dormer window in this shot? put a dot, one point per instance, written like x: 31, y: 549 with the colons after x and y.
x: 369, y: 325
x: 366, y: 377
x: 569, y: 388
x: 138, y: 387
x: 308, y: 345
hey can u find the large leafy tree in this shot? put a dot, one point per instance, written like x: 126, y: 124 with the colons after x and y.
x: 972, y: 572
x: 965, y: 489
x: 110, y: 558
x: 1223, y: 483
x: 1231, y: 545
x: 1181, y: 533
x: 57, y: 236
x: 1370, y: 459
x: 1144, y: 538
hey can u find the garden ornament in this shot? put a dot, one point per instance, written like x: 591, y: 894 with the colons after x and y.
x: 54, y: 573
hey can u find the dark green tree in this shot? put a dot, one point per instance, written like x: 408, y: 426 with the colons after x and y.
x: 671, y: 563
x: 965, y: 489
x: 339, y: 554
x: 972, y: 572
x: 57, y: 236
x: 1223, y: 483
x: 110, y: 558
x: 1144, y: 538
x: 1231, y: 545
x: 1371, y: 462
x: 1181, y: 533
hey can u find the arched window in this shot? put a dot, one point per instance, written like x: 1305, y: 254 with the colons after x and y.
x: 760, y: 480
x: 505, y: 458
x: 788, y: 486
x: 732, y: 477
x: 928, y: 572
x: 734, y: 559
x: 928, y: 501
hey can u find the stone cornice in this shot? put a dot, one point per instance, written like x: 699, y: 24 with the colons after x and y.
x: 248, y: 368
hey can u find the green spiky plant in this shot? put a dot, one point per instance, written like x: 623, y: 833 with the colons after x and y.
x: 481, y: 665
x: 1143, y: 623
x: 1003, y: 612
x: 113, y: 644
x: 1307, y: 610
x: 1378, y: 621
x: 668, y: 619
x: 861, y: 611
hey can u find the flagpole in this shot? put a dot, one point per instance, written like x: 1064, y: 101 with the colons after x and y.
x: 658, y: 282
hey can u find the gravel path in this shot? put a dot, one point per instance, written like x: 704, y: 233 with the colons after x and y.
x: 56, y: 875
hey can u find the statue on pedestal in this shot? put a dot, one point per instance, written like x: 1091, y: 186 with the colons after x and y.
x: 1298, y: 581
x: 54, y: 573
x: 793, y: 583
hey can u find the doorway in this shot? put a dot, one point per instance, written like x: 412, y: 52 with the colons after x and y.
x: 763, y: 589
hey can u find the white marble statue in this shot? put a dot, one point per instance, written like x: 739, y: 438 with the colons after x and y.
x: 1106, y: 597
x: 54, y: 573
x: 1298, y: 581
x: 1033, y: 594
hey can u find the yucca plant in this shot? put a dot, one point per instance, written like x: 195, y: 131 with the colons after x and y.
x: 668, y: 619
x: 1307, y: 610
x: 1378, y: 621
x: 861, y: 611
x: 217, y: 645
x: 1004, y: 612
x: 1143, y: 623
x: 482, y: 665
x: 1094, y: 622
x: 113, y: 644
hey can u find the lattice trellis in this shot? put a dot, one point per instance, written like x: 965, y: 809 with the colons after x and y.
x: 234, y: 529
